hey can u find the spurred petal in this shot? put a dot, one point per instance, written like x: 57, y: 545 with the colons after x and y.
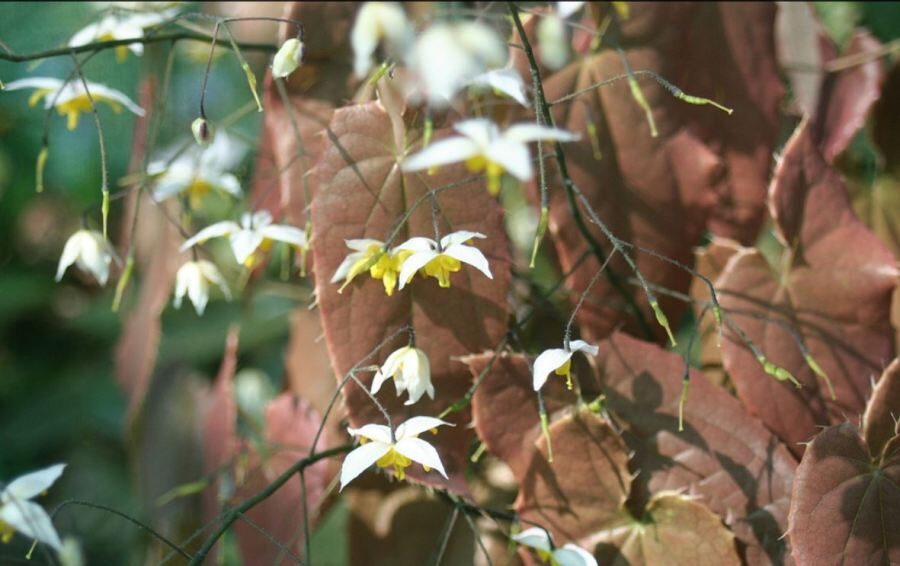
x: 471, y: 256
x: 420, y: 451
x: 582, y: 346
x: 460, y: 237
x: 418, y: 425
x: 572, y: 555
x: 360, y: 459
x: 32, y: 484
x: 212, y: 231
x: 528, y: 132
x: 546, y: 363
x: 374, y: 432
x: 534, y: 537
x: 442, y: 152
x: 244, y: 243
x: 100, y: 91
x: 378, y: 381
x: 414, y: 263
x: 286, y: 234
x: 35, y: 82
x: 31, y: 520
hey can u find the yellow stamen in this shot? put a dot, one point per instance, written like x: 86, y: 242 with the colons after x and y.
x: 37, y: 95
x: 256, y: 257
x: 121, y: 53
x: 441, y: 267
x: 6, y: 532
x: 565, y: 370
x: 494, y: 178
x: 198, y: 189
x: 387, y: 268
x: 397, y: 460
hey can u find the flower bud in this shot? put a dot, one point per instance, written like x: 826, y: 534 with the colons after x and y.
x: 201, y: 130
x: 288, y: 58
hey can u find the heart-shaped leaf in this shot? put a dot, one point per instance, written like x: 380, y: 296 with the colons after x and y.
x: 724, y: 456
x: 833, y: 297
x: 364, y: 194
x: 846, y: 505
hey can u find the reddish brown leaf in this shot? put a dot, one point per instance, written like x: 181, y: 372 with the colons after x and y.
x: 676, y: 530
x: 738, y: 468
x: 655, y: 192
x: 835, y: 293
x: 880, y: 421
x: 847, y: 97
x: 362, y: 194
x: 585, y: 487
x: 845, y: 507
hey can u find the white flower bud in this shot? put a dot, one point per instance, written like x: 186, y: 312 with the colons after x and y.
x: 288, y: 58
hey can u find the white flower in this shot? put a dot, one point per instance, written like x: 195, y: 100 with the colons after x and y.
x: 566, y: 9
x: 371, y: 255
x: 378, y: 446
x: 253, y: 231
x: 198, y: 170
x: 115, y: 27
x: 17, y: 513
x: 567, y: 555
x: 448, y: 56
x: 440, y: 260
x: 411, y: 372
x: 193, y: 279
x: 553, y: 39
x: 288, y: 58
x: 484, y: 148
x: 504, y: 81
x: 377, y: 21
x: 71, y: 99
x: 91, y: 252
x: 559, y: 361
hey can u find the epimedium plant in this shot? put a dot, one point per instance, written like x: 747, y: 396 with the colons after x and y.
x: 396, y: 142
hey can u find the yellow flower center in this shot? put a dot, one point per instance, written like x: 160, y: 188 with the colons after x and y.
x: 494, y: 172
x: 73, y: 108
x: 196, y: 191
x: 387, y: 268
x: 441, y: 267
x: 397, y: 460
x: 565, y: 370
x: 256, y: 257
x: 6, y: 532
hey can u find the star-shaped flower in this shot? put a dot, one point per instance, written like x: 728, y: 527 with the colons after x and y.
x: 398, y: 450
x: 255, y: 230
x: 377, y: 22
x: 371, y: 255
x: 567, y: 555
x: 559, y: 361
x: 91, y: 252
x: 18, y: 513
x: 193, y: 279
x: 115, y: 27
x: 411, y: 371
x: 439, y: 260
x: 484, y: 148
x: 198, y: 170
x: 70, y: 98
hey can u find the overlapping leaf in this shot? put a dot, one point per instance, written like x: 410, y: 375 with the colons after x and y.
x: 833, y: 295
x: 737, y: 467
x: 363, y: 194
x: 881, y: 421
x: 846, y: 505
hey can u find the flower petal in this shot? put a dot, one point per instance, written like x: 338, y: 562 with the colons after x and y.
x: 344, y: 268
x: 471, y: 256
x: 459, y: 237
x: 414, y: 263
x: 566, y: 9
x: 582, y: 346
x: 572, y: 555
x: 417, y: 425
x: 506, y: 81
x: 244, y: 243
x: 35, y: 82
x: 286, y: 234
x: 212, y: 273
x: 363, y: 244
x: 528, y: 132
x: 31, y: 520
x: 259, y: 219
x: 71, y: 251
x: 33, y: 484
x: 374, y: 432
x: 513, y: 156
x: 420, y: 451
x: 442, y: 152
x: 546, y: 363
x: 100, y: 91
x: 360, y: 459
x: 212, y: 231
x: 534, y: 537
x: 417, y: 244
x: 480, y: 130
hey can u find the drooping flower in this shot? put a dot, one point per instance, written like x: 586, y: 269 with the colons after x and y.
x: 567, y: 555
x: 377, y: 22
x: 288, y: 58
x: 193, y: 279
x: 371, y: 255
x: 411, y: 371
x: 70, y: 98
x: 18, y: 513
x: 439, y: 260
x: 255, y: 230
x: 398, y: 450
x: 199, y: 170
x: 507, y: 82
x: 447, y: 56
x: 484, y: 148
x: 559, y: 361
x: 91, y: 252
x: 115, y: 27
